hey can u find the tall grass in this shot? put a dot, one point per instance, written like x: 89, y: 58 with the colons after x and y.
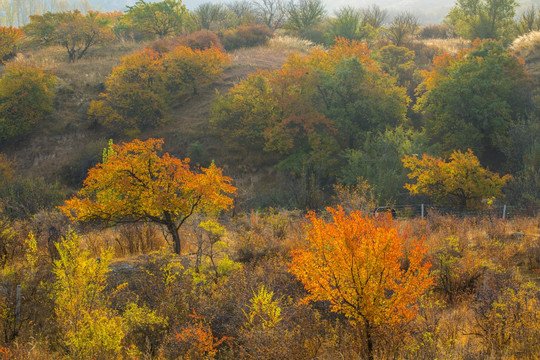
x: 527, y: 46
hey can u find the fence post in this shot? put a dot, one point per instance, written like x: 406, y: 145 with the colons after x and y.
x: 18, y: 307
x: 504, y: 212
x: 422, y: 210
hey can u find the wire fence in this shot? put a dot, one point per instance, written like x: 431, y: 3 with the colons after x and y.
x: 425, y: 210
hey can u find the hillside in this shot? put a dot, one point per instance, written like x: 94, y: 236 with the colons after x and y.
x: 372, y: 197
x: 57, y: 144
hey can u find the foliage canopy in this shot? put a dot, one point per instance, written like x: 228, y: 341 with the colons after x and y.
x: 160, y: 18
x: 26, y: 95
x: 462, y: 182
x: 471, y: 99
x: 356, y: 263
x: 136, y: 183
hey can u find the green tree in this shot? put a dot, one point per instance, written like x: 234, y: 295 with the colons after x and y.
x: 78, y: 32
x: 304, y: 14
x: 26, y: 95
x: 70, y: 29
x: 378, y: 161
x: 208, y: 15
x: 470, y: 100
x: 484, y: 19
x: 398, y: 62
x: 347, y: 23
x: 41, y: 28
x: 160, y: 18
x: 311, y: 107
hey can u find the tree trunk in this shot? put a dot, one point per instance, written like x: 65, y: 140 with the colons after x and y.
x: 173, y: 230
x: 369, y: 340
x: 176, y: 239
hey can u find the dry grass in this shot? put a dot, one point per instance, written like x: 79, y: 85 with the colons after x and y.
x: 91, y: 70
x: 126, y: 240
x: 291, y: 44
x: 527, y: 46
x: 451, y: 46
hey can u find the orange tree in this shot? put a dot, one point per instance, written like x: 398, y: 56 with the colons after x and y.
x: 134, y: 183
x: 314, y: 105
x: 9, y: 37
x: 461, y: 182
x: 356, y: 263
x: 139, y: 91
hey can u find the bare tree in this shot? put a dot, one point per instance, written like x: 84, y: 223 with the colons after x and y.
x: 404, y: 27
x: 272, y: 13
x: 375, y: 16
x: 304, y: 14
x: 208, y: 14
x: 243, y: 11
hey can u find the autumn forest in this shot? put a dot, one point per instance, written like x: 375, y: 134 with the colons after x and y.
x: 269, y: 179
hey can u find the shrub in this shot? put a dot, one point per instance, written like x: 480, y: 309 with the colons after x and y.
x: 139, y: 91
x: 88, y: 328
x: 27, y: 196
x: 26, y: 95
x: 245, y: 36
x: 437, y: 32
x: 186, y: 70
x: 509, y: 322
x: 133, y: 97
x: 527, y: 46
x: 201, y: 40
x: 9, y: 37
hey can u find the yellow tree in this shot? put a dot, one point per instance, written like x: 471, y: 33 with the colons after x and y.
x: 461, y: 182
x: 89, y: 329
x: 358, y: 265
x: 134, y: 183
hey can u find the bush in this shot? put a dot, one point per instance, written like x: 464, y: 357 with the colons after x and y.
x: 201, y: 40
x: 25, y: 197
x: 139, y: 91
x: 437, y: 32
x: 187, y: 70
x: 88, y: 328
x: 245, y: 36
x: 26, y: 95
x: 133, y: 98
x: 9, y: 37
